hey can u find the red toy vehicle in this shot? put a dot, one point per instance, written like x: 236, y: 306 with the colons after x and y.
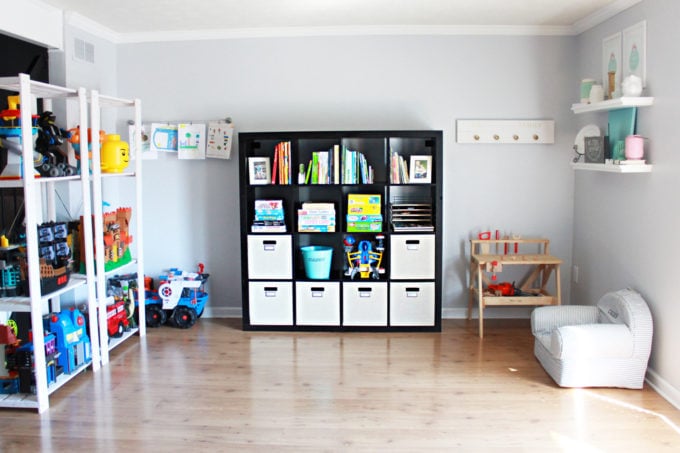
x: 116, y: 319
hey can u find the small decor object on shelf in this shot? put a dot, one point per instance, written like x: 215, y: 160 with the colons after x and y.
x: 421, y: 170
x: 586, y: 85
x: 596, y: 94
x: 634, y: 148
x: 594, y: 150
x: 632, y: 86
x: 259, y: 170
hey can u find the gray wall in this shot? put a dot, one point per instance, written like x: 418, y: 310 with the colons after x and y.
x: 329, y: 83
x: 626, y: 226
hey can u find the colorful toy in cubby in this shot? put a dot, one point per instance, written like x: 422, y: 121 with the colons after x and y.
x: 9, y: 379
x: 54, y: 255
x: 21, y: 363
x: 74, y: 140
x: 72, y: 341
x: 123, y: 289
x: 117, y: 239
x: 364, y: 257
x: 181, y: 298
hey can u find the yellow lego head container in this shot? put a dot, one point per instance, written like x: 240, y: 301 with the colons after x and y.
x: 115, y: 154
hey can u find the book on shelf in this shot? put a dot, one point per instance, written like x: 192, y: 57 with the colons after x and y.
x: 316, y: 217
x: 269, y: 217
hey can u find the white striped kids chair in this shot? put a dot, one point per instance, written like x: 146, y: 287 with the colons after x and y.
x: 607, y: 345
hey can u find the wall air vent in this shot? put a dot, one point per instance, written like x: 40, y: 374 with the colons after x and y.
x: 83, y: 50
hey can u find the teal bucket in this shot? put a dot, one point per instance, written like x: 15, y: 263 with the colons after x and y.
x: 317, y: 260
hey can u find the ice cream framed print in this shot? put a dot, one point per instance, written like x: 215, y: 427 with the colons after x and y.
x: 634, y: 50
x: 611, y: 65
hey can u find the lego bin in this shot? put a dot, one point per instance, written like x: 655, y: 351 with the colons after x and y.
x: 317, y: 260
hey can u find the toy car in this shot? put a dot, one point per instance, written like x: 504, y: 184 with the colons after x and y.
x: 116, y: 319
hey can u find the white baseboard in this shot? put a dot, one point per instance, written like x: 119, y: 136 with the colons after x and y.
x: 222, y: 312
x: 663, y: 388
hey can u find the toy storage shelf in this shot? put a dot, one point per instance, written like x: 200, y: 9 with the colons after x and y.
x: 41, y: 190
x: 100, y: 103
x: 402, y: 293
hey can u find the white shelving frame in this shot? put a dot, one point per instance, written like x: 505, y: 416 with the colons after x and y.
x: 613, y: 104
x: 37, y: 304
x: 97, y: 103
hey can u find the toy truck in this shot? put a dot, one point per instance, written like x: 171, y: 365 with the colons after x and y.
x: 116, y: 318
x: 180, y: 299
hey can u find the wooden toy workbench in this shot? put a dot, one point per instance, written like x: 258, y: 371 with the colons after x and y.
x: 489, y: 256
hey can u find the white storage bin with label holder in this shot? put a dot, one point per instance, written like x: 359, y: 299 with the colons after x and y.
x: 412, y: 256
x: 364, y: 304
x: 270, y: 257
x: 317, y: 303
x: 271, y: 303
x: 412, y: 303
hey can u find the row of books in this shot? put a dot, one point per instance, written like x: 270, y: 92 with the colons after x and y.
x: 398, y: 169
x: 281, y: 173
x: 338, y: 165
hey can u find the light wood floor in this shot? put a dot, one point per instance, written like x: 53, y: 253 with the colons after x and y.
x: 217, y: 388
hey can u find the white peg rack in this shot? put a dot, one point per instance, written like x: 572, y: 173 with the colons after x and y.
x: 505, y: 131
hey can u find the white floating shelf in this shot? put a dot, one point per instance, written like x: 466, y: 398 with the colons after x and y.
x: 613, y: 104
x: 613, y: 168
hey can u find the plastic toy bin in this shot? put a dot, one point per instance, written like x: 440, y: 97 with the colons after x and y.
x: 317, y: 260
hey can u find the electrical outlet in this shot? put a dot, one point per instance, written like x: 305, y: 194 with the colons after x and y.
x: 574, y: 273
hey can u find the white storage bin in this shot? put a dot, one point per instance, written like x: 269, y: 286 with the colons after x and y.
x: 412, y: 256
x: 412, y: 303
x: 364, y: 304
x: 317, y: 303
x: 270, y: 257
x: 270, y: 303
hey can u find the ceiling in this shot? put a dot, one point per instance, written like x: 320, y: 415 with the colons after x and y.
x: 126, y: 17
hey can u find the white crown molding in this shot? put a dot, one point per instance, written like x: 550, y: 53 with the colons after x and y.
x: 602, y: 15
x: 385, y: 30
x: 95, y: 28
x: 88, y: 25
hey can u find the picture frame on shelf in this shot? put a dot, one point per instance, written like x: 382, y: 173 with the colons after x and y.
x: 420, y: 170
x: 259, y: 170
x: 634, y: 51
x: 594, y: 149
x: 611, y: 65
